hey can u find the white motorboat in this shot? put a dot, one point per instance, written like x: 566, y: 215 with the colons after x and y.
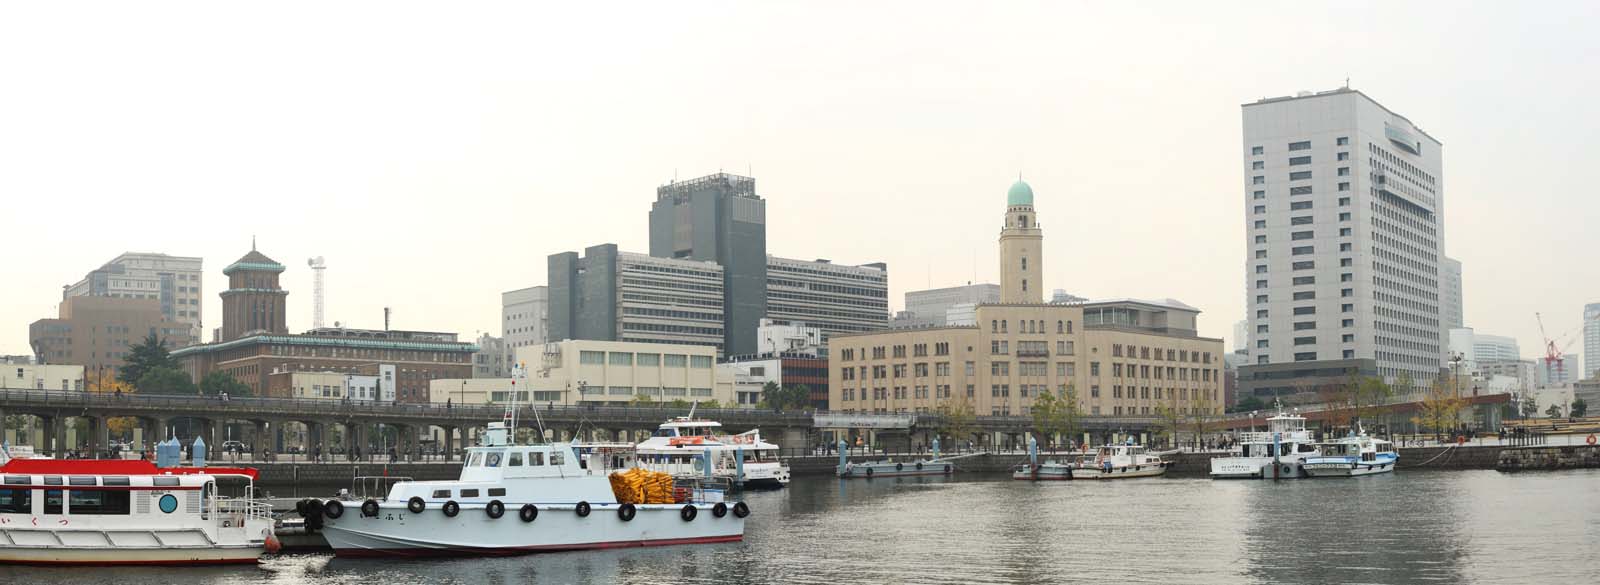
x: 1353, y: 456
x: 682, y: 445
x: 1107, y: 462
x: 116, y: 512
x: 513, y: 499
x: 1278, y: 453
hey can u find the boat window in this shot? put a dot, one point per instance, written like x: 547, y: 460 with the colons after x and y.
x: 101, y: 502
x: 18, y: 480
x: 81, y: 480
x: 664, y: 433
x: 493, y: 459
x: 476, y: 460
x: 115, y: 480
x: 469, y: 493
x: 535, y: 458
x: 556, y: 458
x: 166, y: 481
x: 441, y: 493
x: 52, y: 480
x: 1304, y: 448
x: 516, y: 459
x: 497, y: 492
x: 16, y: 501
x: 52, y: 501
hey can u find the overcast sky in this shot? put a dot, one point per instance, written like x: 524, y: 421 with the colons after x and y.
x: 436, y: 154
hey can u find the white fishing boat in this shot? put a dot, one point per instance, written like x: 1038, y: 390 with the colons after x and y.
x: 682, y: 445
x: 1278, y: 453
x: 1120, y: 462
x: 513, y: 499
x: 1353, y: 456
x: 117, y: 512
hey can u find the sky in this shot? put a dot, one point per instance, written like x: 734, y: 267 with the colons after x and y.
x: 436, y: 153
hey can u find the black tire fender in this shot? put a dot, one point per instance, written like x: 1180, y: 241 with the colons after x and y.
x: 688, y: 513
x: 369, y: 508
x: 626, y: 512
x: 583, y: 509
x: 333, y: 509
x: 528, y: 513
x: 869, y: 473
x: 899, y: 466
x: 719, y: 510
x: 416, y: 504
x: 495, y: 509
x: 451, y: 508
x: 740, y: 509
x: 919, y: 466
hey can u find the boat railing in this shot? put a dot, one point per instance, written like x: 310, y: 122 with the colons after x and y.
x: 1266, y: 437
x: 374, y: 486
x: 233, y: 508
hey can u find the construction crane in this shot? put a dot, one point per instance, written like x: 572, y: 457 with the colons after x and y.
x: 1554, y: 351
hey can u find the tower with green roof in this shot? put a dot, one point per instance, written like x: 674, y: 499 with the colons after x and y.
x: 254, y: 302
x: 1021, y: 249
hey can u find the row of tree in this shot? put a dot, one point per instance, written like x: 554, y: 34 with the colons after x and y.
x: 149, y: 368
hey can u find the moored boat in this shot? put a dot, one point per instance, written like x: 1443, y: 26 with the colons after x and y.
x: 681, y: 446
x: 513, y: 499
x: 1121, y: 462
x: 1353, y: 456
x: 889, y: 467
x: 117, y: 512
x: 1278, y: 453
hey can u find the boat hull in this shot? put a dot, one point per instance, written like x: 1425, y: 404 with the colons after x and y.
x: 1323, y: 468
x: 1256, y: 468
x: 901, y: 469
x: 397, y: 532
x: 56, y: 555
x: 1119, y: 472
x: 1044, y: 473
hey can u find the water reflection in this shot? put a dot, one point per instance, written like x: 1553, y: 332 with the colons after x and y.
x: 1410, y: 527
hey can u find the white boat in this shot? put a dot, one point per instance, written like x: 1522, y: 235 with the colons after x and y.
x: 1353, y: 456
x: 682, y: 445
x: 1107, y: 462
x: 1278, y: 453
x: 513, y: 499
x: 116, y: 512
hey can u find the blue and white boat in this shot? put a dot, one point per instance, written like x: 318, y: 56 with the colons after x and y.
x: 1278, y: 453
x: 1352, y: 456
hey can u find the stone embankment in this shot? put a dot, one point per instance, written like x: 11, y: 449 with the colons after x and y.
x: 1547, y: 458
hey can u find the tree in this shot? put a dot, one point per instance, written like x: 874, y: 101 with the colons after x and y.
x: 1438, y: 410
x: 956, y: 419
x: 779, y: 398
x: 641, y: 400
x: 165, y: 380
x: 1055, y: 416
x: 1530, y: 406
x: 710, y: 404
x: 1168, y: 420
x: 1201, y: 408
x: 1249, y: 404
x: 1579, y: 408
x: 145, y: 356
x: 678, y: 403
x: 219, y: 382
x: 108, y: 382
x: 1554, y: 411
x: 1370, y: 392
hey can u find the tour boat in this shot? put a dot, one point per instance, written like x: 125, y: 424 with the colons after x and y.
x: 118, y: 512
x: 891, y: 468
x: 681, y: 446
x: 513, y: 499
x: 1278, y: 453
x: 1353, y: 456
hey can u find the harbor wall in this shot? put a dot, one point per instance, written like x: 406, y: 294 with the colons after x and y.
x: 1547, y: 458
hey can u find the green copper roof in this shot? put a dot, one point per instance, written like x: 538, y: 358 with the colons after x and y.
x: 312, y: 340
x: 1020, y: 194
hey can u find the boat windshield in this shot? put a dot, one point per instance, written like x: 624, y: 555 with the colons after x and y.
x: 666, y: 432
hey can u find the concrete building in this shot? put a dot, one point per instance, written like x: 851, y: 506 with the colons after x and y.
x: 255, y: 343
x: 615, y: 372
x: 495, y: 391
x: 172, y: 281
x: 326, y: 386
x: 41, y: 377
x: 490, y: 361
x: 97, y: 332
x: 1476, y: 348
x: 835, y: 298
x: 803, y: 366
x: 1591, y: 341
x: 1547, y: 372
x: 1343, y: 243
x: 1519, y: 370
x: 1116, y: 357
x: 1241, y: 336
x: 718, y: 219
x: 772, y: 338
x: 608, y: 295
x: 934, y: 304
x: 524, y: 318
x: 1450, y: 295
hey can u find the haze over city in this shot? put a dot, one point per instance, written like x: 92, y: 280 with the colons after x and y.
x: 435, y: 157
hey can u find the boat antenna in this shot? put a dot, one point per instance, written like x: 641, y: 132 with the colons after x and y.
x: 692, y: 406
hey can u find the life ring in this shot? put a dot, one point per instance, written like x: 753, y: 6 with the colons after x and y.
x: 495, y: 509
x: 416, y: 505
x: 626, y: 512
x: 688, y: 513
x: 919, y: 466
x: 333, y: 509
x: 869, y: 472
x: 899, y: 467
x: 1461, y: 440
x: 369, y: 508
x: 528, y: 513
x: 1591, y: 439
x: 719, y: 510
x: 582, y: 509
x: 1288, y: 470
x: 740, y: 509
x: 451, y: 508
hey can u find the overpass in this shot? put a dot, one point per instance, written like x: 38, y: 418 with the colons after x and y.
x: 460, y: 424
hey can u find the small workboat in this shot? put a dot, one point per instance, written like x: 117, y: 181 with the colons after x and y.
x: 1278, y: 453
x: 889, y: 467
x: 1107, y: 462
x: 118, y: 512
x: 1353, y: 456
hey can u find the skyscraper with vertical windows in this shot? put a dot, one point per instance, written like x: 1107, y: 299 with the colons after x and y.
x: 1591, y: 340
x: 1343, y: 243
x: 719, y: 218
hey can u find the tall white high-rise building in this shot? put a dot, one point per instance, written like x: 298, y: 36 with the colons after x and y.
x: 1591, y: 340
x: 1450, y: 298
x: 1343, y: 242
x: 1241, y: 335
x: 524, y: 318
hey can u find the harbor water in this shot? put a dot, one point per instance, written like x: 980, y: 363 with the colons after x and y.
x: 1406, y: 527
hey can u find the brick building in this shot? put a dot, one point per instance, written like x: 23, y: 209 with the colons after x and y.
x: 97, y: 332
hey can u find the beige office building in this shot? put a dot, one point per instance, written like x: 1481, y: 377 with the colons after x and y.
x: 1122, y: 357
x: 579, y: 371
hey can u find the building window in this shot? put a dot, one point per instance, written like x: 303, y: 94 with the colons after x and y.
x: 1256, y: 150
x: 1344, y: 216
x: 1257, y: 165
x: 1299, y: 160
x: 1299, y: 175
x: 1302, y: 145
x: 1302, y: 250
x: 1305, y: 265
x: 1298, y: 205
x: 1344, y: 171
x: 1258, y: 195
x: 1344, y: 186
x: 1302, y: 220
x: 1342, y: 141
x: 1344, y: 156
x: 1302, y: 235
x: 1258, y: 180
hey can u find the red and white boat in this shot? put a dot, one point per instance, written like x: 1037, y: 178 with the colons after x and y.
x: 115, y: 512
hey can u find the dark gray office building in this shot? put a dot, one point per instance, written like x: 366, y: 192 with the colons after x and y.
x: 611, y: 295
x: 717, y: 218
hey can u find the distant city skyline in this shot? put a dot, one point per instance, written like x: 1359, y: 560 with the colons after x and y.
x: 518, y: 135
